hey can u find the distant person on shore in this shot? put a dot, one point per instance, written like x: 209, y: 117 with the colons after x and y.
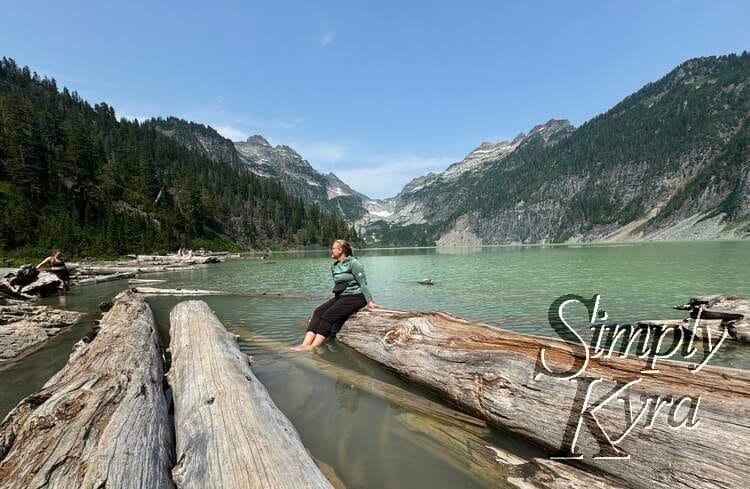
x: 351, y: 294
x: 58, y: 267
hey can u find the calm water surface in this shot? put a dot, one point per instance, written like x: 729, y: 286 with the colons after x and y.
x: 360, y: 435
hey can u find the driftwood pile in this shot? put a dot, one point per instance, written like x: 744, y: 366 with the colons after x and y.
x: 91, y: 273
x: 711, y: 317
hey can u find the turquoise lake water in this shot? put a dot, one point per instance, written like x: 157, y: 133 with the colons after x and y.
x: 359, y: 434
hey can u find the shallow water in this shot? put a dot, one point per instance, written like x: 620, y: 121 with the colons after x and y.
x: 360, y: 435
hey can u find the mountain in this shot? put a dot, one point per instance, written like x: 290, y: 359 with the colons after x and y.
x: 671, y: 161
x: 74, y: 176
x: 280, y: 163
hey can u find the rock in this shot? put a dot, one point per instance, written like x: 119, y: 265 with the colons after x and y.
x: 24, y: 327
x: 425, y: 281
x: 24, y: 276
x: 46, y: 284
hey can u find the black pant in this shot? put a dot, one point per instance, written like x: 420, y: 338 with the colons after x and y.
x: 328, y: 317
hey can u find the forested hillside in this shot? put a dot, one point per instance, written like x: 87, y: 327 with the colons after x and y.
x: 74, y: 176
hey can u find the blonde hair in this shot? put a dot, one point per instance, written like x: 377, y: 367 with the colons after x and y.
x: 345, y: 246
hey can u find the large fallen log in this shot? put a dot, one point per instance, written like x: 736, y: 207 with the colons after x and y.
x: 199, y: 292
x: 229, y: 433
x: 102, y: 420
x: 178, y: 292
x: 689, y: 429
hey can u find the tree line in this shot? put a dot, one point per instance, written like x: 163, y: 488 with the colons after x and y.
x: 74, y: 176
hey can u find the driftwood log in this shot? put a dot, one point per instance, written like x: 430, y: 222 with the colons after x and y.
x: 199, y: 292
x: 229, y: 433
x: 178, y: 292
x: 496, y: 375
x: 709, y: 317
x: 102, y: 420
x: 106, y: 278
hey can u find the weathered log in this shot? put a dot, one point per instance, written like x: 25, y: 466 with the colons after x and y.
x: 102, y: 420
x: 229, y: 432
x: 25, y: 327
x: 496, y: 375
x: 145, y: 281
x: 178, y: 292
x: 718, y: 306
x: 199, y: 292
x: 389, y: 392
x: 106, y: 278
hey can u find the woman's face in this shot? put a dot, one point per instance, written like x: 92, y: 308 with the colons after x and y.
x: 336, y: 251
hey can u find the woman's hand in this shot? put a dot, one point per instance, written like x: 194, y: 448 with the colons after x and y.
x: 372, y: 305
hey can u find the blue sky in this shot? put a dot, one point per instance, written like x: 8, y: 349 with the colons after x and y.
x: 377, y: 92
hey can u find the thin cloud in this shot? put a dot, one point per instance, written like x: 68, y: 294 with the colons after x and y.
x: 232, y: 133
x: 327, y: 38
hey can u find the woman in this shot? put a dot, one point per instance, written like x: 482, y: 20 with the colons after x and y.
x: 351, y: 295
x: 57, y: 266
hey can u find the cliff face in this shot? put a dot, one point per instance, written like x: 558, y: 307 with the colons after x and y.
x: 668, y: 162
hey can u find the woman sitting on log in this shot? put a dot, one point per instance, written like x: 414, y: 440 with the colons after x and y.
x: 58, y: 267
x: 351, y: 295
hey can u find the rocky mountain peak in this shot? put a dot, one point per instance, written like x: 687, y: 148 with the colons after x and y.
x: 259, y: 140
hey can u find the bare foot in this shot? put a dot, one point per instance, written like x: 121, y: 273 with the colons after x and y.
x: 300, y: 348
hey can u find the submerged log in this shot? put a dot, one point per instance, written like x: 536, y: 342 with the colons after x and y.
x: 106, y: 278
x: 229, y: 432
x: 491, y: 465
x: 389, y: 392
x: 678, y: 417
x: 102, y: 420
x: 448, y: 435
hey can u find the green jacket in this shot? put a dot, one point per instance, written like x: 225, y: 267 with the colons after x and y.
x: 352, y: 272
